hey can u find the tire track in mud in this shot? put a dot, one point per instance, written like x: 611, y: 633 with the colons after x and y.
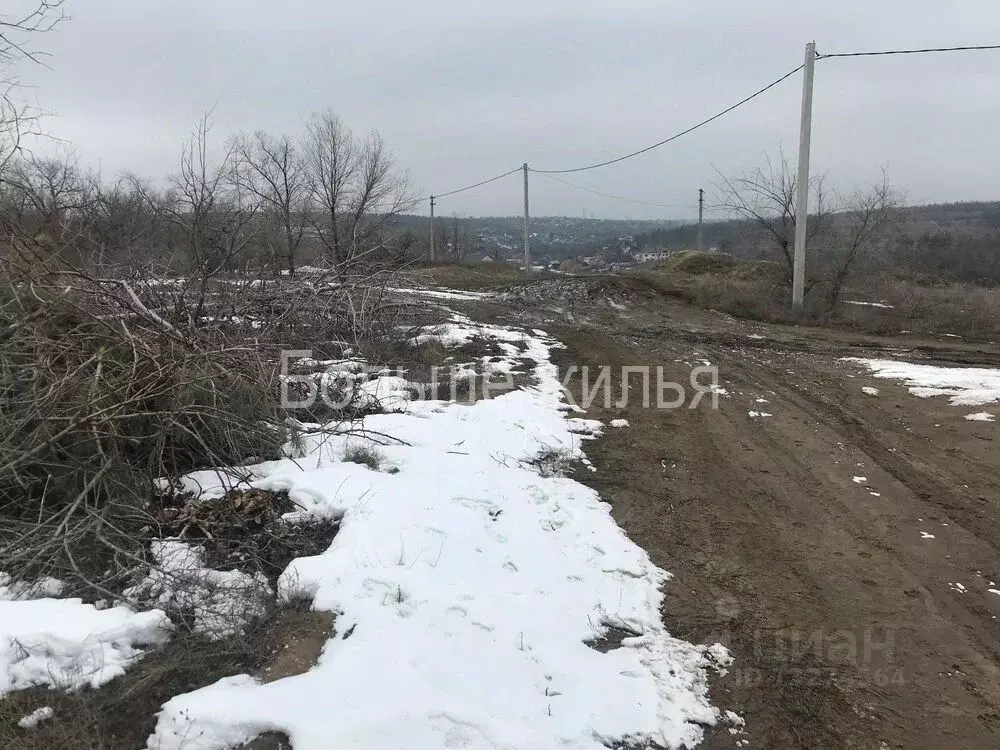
x: 760, y: 518
x: 709, y: 528
x: 936, y: 481
x: 771, y: 542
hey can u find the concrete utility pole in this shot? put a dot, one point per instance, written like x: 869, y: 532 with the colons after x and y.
x: 433, y: 251
x: 701, y: 212
x: 802, y: 181
x: 527, y: 246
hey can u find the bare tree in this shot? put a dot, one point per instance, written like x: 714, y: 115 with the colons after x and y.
x: 355, y: 187
x: 272, y: 169
x: 765, y: 199
x: 382, y: 193
x: 17, y: 119
x: 125, y: 226
x: 209, y: 206
x: 864, y: 218
x: 15, y: 29
x: 841, y: 233
x: 46, y: 202
x: 332, y: 166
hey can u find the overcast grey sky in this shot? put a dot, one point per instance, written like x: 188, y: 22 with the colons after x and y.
x: 463, y: 90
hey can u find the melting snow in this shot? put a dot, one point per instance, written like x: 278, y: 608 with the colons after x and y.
x: 453, y: 294
x: 859, y: 480
x: 36, y: 717
x: 619, y: 423
x: 966, y: 386
x: 64, y: 643
x: 221, y: 601
x: 868, y: 304
x: 466, y: 585
x: 981, y: 416
x: 869, y: 391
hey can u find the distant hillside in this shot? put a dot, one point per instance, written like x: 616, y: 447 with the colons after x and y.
x: 959, y: 241
x: 551, y: 236
x: 969, y: 215
x: 979, y: 217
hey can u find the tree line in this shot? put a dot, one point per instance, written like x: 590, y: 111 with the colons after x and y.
x: 260, y: 201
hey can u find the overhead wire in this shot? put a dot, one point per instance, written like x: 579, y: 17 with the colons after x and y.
x: 691, y: 205
x: 706, y: 121
x: 910, y: 51
x: 674, y: 137
x: 478, y: 184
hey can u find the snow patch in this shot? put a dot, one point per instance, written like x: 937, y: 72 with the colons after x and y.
x: 66, y: 644
x: 453, y: 294
x: 981, y: 416
x: 882, y: 305
x: 36, y: 717
x: 466, y: 587
x: 11, y: 590
x: 221, y: 601
x: 965, y: 386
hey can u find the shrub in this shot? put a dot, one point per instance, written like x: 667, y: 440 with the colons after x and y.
x: 108, y: 385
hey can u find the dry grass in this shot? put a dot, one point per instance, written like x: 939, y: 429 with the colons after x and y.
x: 473, y: 276
x: 755, y: 291
x: 965, y: 310
x: 364, y: 454
x: 749, y: 298
x: 695, y: 263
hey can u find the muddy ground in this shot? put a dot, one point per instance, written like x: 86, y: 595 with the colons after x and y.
x: 858, y: 612
x: 847, y: 624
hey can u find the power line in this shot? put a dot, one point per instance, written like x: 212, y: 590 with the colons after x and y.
x: 911, y: 51
x: 615, y: 197
x: 727, y: 110
x: 674, y: 137
x: 478, y: 184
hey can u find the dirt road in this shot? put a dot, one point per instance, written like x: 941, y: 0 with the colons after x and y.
x: 843, y: 548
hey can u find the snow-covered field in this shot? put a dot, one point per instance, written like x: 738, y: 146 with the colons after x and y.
x: 467, y: 578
